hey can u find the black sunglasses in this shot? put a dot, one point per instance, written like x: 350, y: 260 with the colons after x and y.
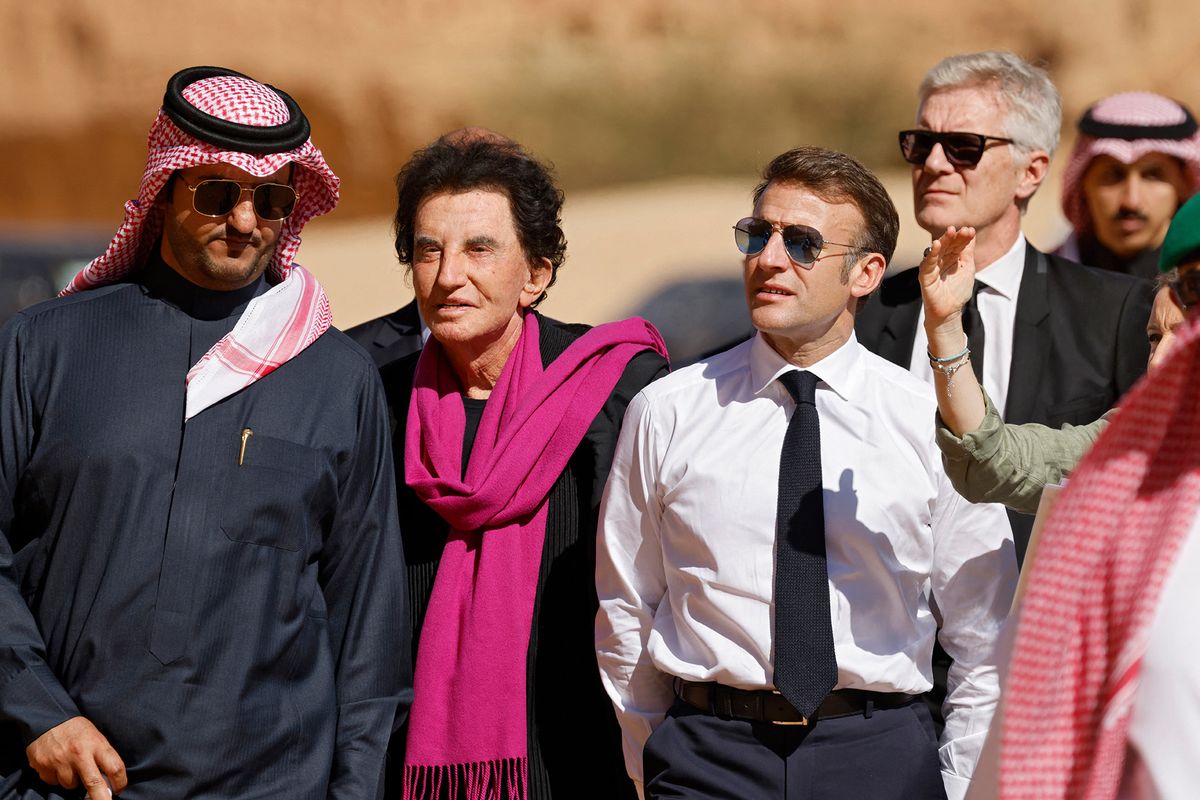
x: 216, y: 197
x: 802, y: 243
x: 961, y: 149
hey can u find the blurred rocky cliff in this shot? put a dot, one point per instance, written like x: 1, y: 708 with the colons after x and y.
x: 656, y: 113
x: 609, y: 92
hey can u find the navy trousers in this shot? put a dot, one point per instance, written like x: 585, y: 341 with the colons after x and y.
x: 891, y: 754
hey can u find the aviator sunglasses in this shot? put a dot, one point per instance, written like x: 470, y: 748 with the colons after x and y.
x: 216, y: 197
x: 802, y: 243
x: 961, y: 149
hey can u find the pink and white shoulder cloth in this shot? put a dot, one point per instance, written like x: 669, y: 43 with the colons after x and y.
x: 1094, y: 587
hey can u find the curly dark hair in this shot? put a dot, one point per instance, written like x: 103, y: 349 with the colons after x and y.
x: 496, y: 164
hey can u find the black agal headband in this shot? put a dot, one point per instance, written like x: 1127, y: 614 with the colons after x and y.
x: 228, y: 135
x: 1090, y: 126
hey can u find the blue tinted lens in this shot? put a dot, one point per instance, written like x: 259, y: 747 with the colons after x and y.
x: 751, y: 235
x: 803, y: 243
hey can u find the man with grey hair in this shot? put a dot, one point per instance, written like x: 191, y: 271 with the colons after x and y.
x: 1050, y: 340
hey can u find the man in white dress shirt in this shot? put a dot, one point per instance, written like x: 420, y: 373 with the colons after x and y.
x: 694, y: 634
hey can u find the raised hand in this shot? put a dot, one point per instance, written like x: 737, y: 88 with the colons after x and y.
x: 947, y: 278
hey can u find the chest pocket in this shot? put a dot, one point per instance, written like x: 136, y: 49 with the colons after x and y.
x: 273, y: 497
x: 1079, y: 411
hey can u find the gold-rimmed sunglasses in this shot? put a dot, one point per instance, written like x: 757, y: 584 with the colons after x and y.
x: 216, y: 197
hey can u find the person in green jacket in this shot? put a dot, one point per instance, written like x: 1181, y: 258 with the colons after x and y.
x: 987, y: 460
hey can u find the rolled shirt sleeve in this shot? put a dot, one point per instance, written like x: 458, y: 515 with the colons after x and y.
x: 1010, y: 464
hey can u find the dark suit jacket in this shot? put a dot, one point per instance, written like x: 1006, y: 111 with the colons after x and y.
x: 1079, y: 341
x: 390, y: 338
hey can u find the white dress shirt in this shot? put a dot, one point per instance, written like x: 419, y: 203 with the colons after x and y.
x: 997, y: 302
x: 686, y: 546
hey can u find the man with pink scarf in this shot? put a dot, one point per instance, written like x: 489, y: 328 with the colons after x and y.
x: 1136, y: 160
x: 201, y: 582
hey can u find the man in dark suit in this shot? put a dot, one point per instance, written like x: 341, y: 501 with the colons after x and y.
x: 1060, y: 342
x: 390, y: 337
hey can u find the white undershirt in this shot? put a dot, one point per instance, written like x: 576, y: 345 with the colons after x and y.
x: 998, y: 308
x: 1164, y: 732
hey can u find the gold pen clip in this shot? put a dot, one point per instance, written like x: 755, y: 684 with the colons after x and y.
x: 246, y: 434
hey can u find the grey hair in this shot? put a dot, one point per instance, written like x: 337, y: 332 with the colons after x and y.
x: 1034, y: 114
x: 1165, y: 279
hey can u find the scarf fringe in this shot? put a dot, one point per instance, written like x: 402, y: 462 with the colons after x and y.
x: 499, y: 779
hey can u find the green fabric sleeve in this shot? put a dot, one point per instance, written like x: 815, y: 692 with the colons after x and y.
x: 1009, y: 464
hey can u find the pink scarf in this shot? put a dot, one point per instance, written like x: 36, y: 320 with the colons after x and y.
x: 1094, y: 587
x: 467, y: 729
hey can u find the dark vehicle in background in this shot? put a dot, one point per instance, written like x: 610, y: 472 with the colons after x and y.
x: 35, y: 263
x: 698, y: 317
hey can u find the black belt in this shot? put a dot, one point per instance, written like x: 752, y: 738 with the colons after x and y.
x: 769, y: 706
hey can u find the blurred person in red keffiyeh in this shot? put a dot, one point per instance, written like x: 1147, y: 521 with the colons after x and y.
x: 1102, y: 699
x: 202, y: 590
x: 1137, y: 159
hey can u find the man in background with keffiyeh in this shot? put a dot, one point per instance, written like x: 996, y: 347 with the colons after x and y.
x: 201, y: 582
x: 1137, y: 159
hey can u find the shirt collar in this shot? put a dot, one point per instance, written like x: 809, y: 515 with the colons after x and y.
x: 1004, y: 274
x: 841, y: 370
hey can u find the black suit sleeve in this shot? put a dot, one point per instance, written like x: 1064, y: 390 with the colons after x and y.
x: 1132, y: 345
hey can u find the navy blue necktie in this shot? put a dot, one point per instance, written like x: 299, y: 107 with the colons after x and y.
x: 973, y: 326
x: 805, y: 663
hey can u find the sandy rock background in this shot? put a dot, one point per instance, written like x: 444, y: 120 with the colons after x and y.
x: 655, y: 113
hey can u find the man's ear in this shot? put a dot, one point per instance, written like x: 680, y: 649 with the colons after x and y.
x: 1032, y: 174
x: 540, y: 271
x: 866, y: 275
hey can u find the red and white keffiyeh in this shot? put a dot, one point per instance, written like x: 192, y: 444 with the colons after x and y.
x: 276, y: 325
x: 1094, y: 585
x: 1134, y: 109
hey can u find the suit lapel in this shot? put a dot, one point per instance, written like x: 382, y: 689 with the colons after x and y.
x: 402, y: 323
x: 1031, y: 337
x: 902, y: 296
